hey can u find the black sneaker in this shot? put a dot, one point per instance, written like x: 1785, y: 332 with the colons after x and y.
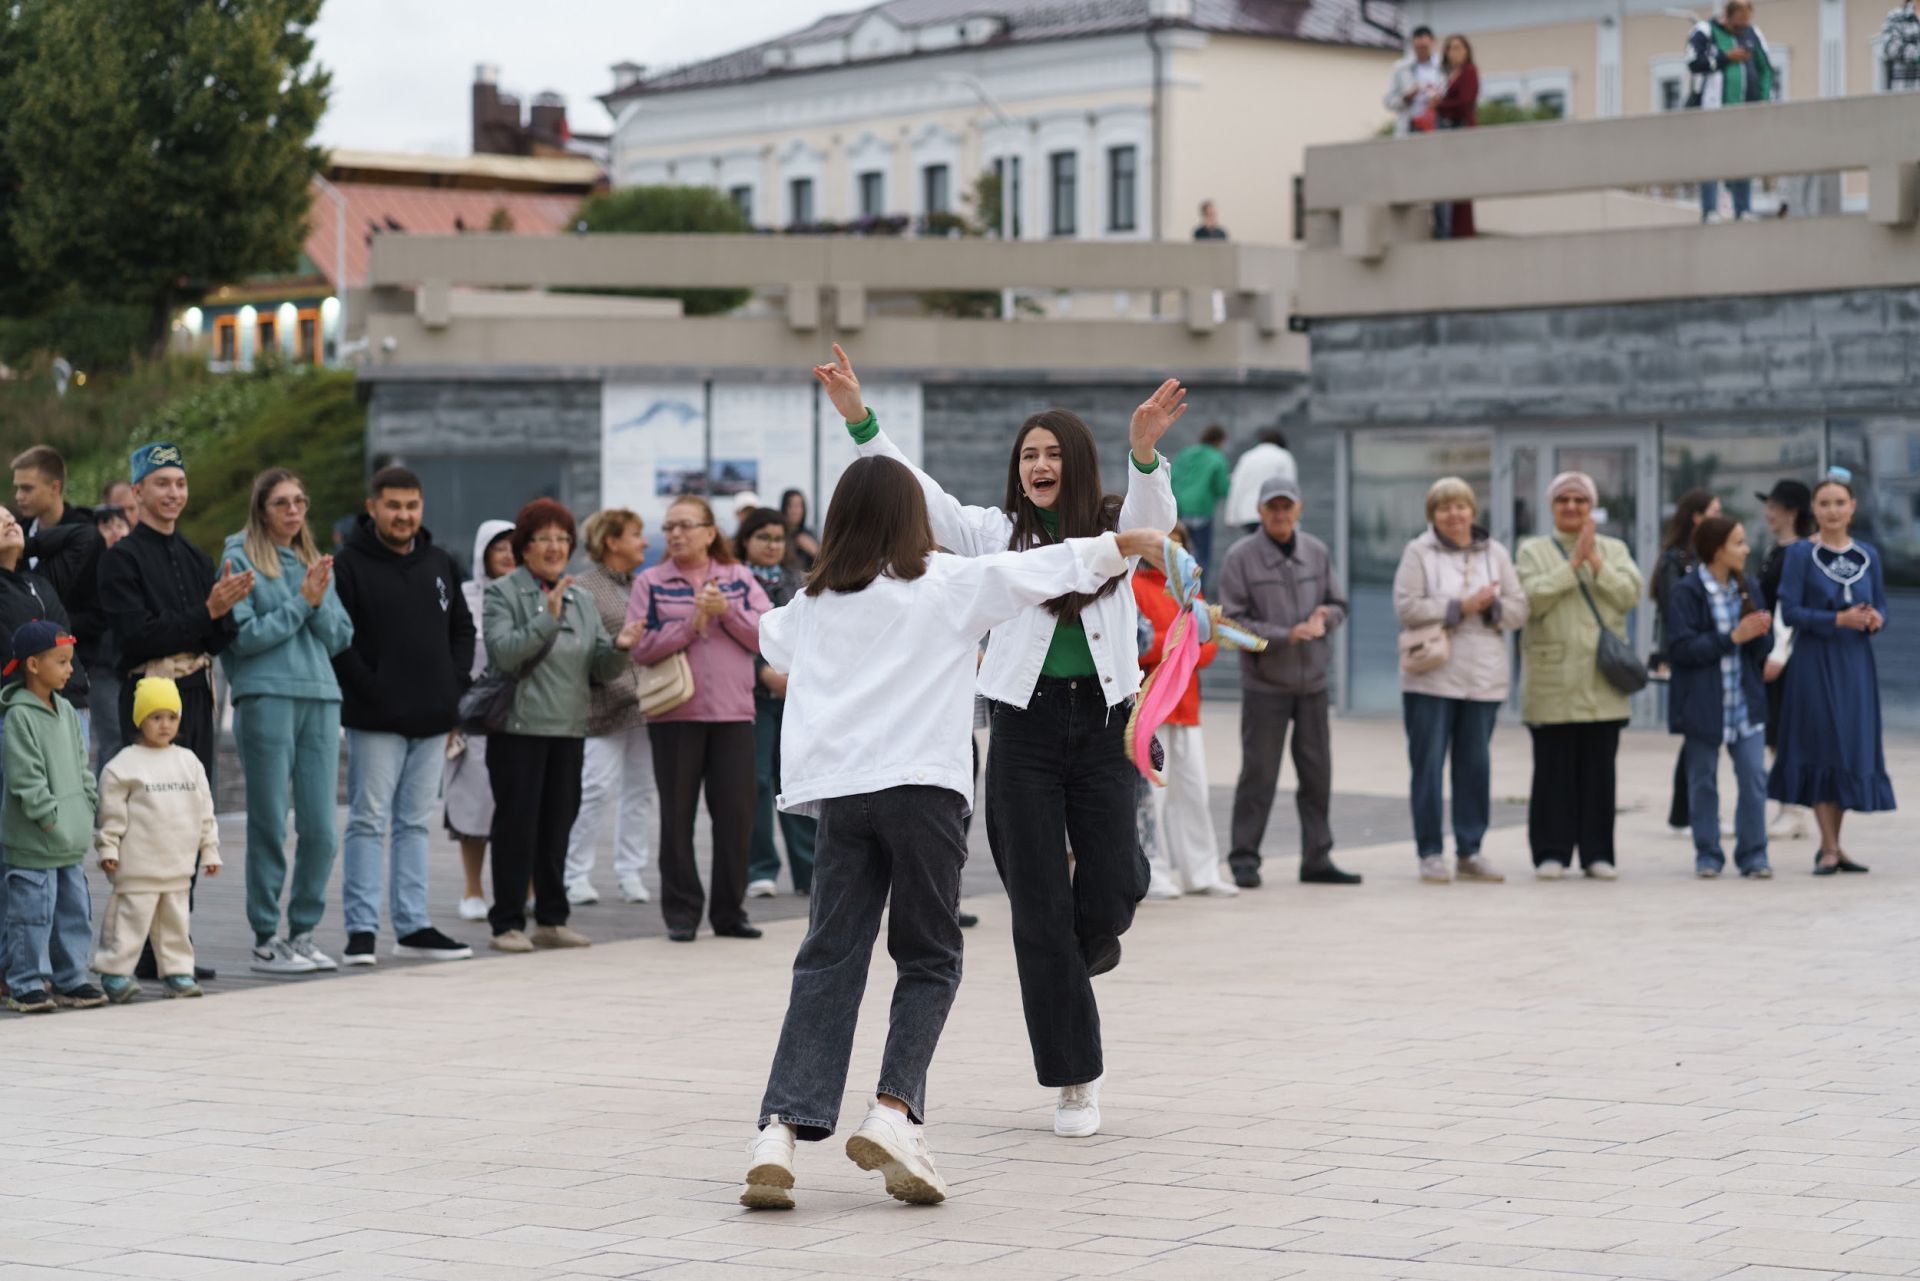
x: 681, y: 936
x: 740, y: 931
x: 34, y: 1002
x: 84, y: 997
x: 429, y: 945
x: 1101, y: 955
x: 1247, y: 878
x: 360, y: 949
x: 968, y: 920
x: 204, y: 973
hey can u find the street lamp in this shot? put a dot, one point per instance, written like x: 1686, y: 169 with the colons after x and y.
x: 988, y: 101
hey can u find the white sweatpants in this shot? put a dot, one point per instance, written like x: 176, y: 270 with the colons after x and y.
x: 617, y: 772
x: 1186, y: 851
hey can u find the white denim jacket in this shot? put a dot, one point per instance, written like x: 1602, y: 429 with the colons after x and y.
x: 1019, y: 647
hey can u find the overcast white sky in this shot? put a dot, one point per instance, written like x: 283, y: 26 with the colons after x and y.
x: 402, y: 68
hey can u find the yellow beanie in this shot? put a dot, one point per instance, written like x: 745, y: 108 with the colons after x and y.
x: 154, y: 694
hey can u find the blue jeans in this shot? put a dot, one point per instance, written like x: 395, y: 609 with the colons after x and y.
x: 50, y: 927
x: 1750, y: 811
x: 1435, y: 727
x: 393, y: 783
x: 1200, y: 534
x: 1740, y: 189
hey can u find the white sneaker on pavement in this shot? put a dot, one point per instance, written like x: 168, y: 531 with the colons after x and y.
x: 1550, y: 870
x: 1220, y: 889
x: 1603, y: 872
x: 769, y: 1184
x: 581, y: 894
x: 634, y: 890
x: 303, y: 945
x: 891, y: 1143
x: 1434, y: 870
x: 1077, y: 1114
x: 276, y: 957
x: 1162, y: 893
x: 762, y: 889
x: 473, y: 909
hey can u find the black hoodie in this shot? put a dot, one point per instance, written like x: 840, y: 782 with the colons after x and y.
x: 24, y: 597
x: 69, y: 558
x: 413, y: 638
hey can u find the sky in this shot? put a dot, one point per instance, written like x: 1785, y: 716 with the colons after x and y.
x: 402, y: 69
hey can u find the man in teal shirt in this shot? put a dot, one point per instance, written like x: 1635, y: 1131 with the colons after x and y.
x: 1200, y: 481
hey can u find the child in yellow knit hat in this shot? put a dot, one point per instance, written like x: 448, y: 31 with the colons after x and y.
x: 156, y: 821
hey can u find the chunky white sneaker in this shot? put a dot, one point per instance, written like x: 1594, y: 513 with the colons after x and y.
x: 769, y: 1184
x: 1474, y: 867
x: 276, y: 957
x: 1433, y: 870
x: 473, y: 909
x: 581, y: 894
x: 1220, y: 889
x: 303, y: 945
x: 1550, y: 870
x: 1162, y: 893
x: 1603, y: 872
x: 762, y: 889
x: 1077, y: 1114
x: 890, y: 1143
x: 634, y: 890
x: 1789, y: 825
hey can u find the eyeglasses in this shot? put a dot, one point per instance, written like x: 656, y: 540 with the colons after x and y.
x: 1575, y: 500
x: 764, y: 537
x: 551, y: 540
x: 297, y: 502
x: 682, y: 526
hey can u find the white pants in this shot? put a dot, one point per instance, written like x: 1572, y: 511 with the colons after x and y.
x: 1186, y: 850
x: 618, y: 767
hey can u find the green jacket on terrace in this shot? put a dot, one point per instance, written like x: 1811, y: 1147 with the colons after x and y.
x: 46, y: 820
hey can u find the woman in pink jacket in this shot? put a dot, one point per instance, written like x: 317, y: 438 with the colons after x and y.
x: 700, y: 601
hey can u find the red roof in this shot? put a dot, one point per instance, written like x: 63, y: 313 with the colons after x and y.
x: 422, y: 210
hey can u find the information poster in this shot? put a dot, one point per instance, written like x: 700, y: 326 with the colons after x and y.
x: 762, y: 440
x: 899, y: 408
x: 653, y: 445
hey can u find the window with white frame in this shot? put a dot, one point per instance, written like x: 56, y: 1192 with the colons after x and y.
x: 1671, y: 80
x: 1063, y: 189
x: 873, y: 194
x: 1015, y: 196
x: 870, y: 162
x: 742, y: 198
x: 936, y: 189
x: 1548, y: 88
x: 801, y: 168
x: 1123, y: 188
x: 799, y: 201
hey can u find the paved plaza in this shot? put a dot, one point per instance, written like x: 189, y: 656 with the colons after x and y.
x: 1659, y: 1078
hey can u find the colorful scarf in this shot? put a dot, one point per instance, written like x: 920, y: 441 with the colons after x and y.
x: 1196, y: 624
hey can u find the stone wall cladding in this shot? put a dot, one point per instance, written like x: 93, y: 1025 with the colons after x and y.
x: 1855, y: 350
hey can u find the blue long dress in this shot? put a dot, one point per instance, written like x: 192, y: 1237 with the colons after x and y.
x: 1830, y: 750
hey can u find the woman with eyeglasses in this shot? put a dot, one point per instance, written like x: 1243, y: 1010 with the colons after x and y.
x: 546, y: 630
x: 1833, y: 591
x: 764, y: 545
x: 286, y: 718
x: 701, y: 602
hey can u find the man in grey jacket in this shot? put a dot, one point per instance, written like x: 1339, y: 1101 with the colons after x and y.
x: 1279, y: 583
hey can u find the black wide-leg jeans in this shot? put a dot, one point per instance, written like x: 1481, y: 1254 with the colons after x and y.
x: 1058, y: 779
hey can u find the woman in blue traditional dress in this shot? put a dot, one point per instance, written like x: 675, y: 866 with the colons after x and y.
x: 1834, y: 596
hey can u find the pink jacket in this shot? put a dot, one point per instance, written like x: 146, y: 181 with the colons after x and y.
x: 722, y: 657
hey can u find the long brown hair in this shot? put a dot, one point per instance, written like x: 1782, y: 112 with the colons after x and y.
x: 1446, y: 63
x: 258, y: 544
x: 1680, y: 527
x: 1709, y: 536
x: 876, y: 524
x: 1082, y: 509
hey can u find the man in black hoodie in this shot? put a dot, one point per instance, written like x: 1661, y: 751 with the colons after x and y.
x: 63, y: 548
x: 400, y: 686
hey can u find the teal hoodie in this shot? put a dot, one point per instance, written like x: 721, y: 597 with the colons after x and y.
x: 284, y: 646
x: 46, y: 820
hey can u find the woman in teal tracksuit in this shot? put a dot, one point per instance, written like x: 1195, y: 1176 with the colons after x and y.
x: 286, y: 718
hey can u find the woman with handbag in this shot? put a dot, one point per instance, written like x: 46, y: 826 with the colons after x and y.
x: 545, y: 642
x: 464, y: 783
x: 701, y: 608
x: 1574, y: 672
x: 763, y: 546
x: 1457, y: 597
x: 618, y: 766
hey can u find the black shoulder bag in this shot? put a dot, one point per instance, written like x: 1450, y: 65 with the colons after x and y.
x: 488, y: 702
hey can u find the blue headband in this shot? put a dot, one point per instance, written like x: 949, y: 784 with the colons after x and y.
x: 149, y: 459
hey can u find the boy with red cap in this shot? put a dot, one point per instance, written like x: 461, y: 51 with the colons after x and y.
x: 46, y: 823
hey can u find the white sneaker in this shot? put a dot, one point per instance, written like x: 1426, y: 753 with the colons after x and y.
x: 1077, y: 1114
x: 1220, y: 889
x: 890, y: 1143
x: 581, y: 894
x: 1434, y: 870
x: 762, y: 889
x: 473, y: 909
x: 1603, y: 872
x: 276, y: 957
x: 1789, y: 825
x: 1550, y: 870
x: 303, y: 945
x: 769, y: 1184
x: 634, y: 890
x: 1162, y: 893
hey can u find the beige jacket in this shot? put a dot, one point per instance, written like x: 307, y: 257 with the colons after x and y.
x: 156, y: 817
x: 1559, y: 681
x: 1432, y: 581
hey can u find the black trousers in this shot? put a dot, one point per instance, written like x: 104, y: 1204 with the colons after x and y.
x: 1058, y: 778
x: 1573, y: 792
x: 198, y: 734
x: 1264, y: 719
x: 1679, y: 812
x: 536, y: 797
x: 716, y: 755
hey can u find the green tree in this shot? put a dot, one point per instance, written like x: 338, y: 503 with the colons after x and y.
x: 155, y: 148
x: 670, y: 210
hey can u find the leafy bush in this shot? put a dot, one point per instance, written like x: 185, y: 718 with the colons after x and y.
x: 92, y: 336
x: 666, y: 210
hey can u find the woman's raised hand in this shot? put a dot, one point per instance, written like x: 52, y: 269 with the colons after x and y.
x: 843, y: 388
x: 1155, y: 414
x: 557, y: 598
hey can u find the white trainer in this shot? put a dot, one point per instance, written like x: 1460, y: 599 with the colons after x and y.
x: 1220, y: 889
x: 1077, y: 1114
x: 769, y: 1184
x: 889, y: 1142
x: 1603, y: 872
x: 276, y: 957
x: 473, y: 909
x: 303, y: 945
x: 1550, y: 870
x: 1162, y: 893
x: 762, y: 889
x: 581, y: 894
x: 634, y: 890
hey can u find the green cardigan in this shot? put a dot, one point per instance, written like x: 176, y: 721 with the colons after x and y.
x: 1559, y: 682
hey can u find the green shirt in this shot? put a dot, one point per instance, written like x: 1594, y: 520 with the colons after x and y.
x: 1201, y: 479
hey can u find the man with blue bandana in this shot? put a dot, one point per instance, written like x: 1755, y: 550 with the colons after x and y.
x: 168, y: 609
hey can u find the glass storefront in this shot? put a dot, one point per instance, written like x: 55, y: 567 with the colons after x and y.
x: 1883, y: 453
x: 1737, y: 460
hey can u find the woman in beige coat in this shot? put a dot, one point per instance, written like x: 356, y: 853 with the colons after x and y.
x: 1456, y: 578
x: 1574, y: 715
